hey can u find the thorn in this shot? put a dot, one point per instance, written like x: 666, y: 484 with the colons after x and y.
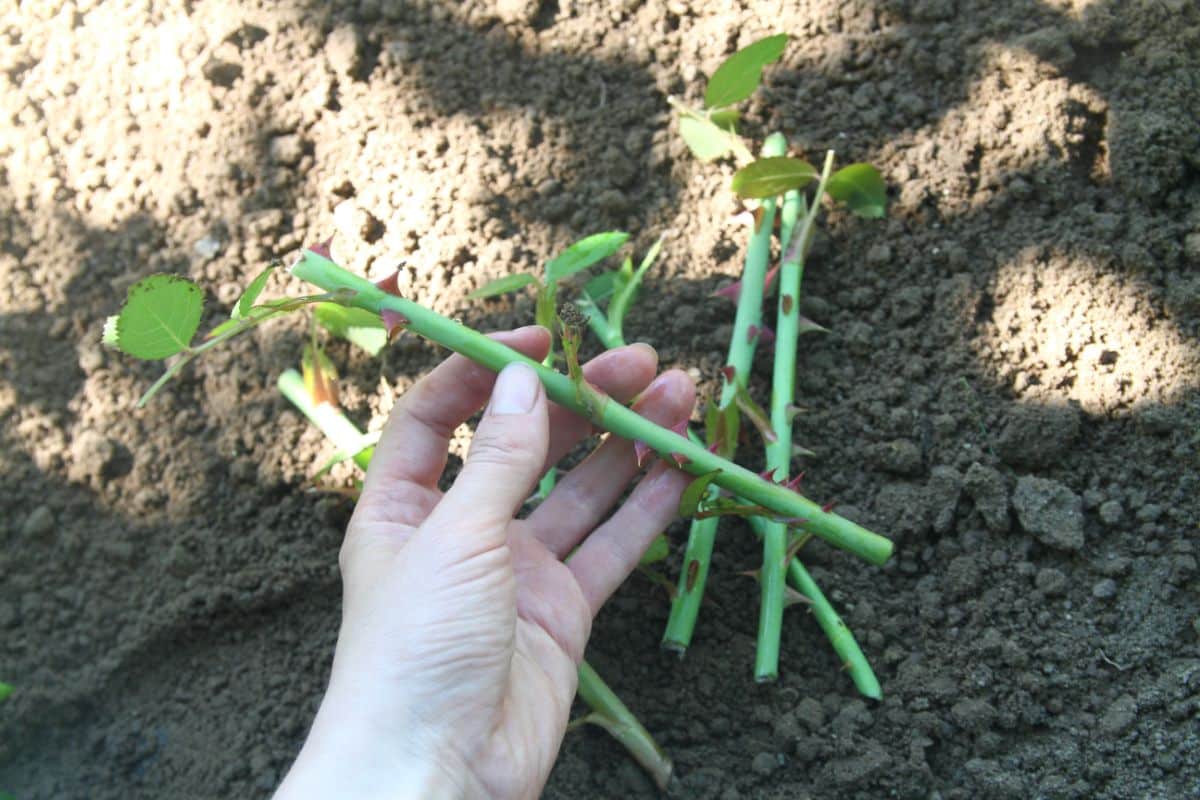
x: 642, y: 451
x: 808, y: 326
x: 390, y: 284
x: 680, y: 459
x: 794, y: 411
x: 680, y: 427
x: 733, y: 291
x: 765, y: 334
x: 847, y: 666
x: 768, y: 474
x: 794, y: 483
x: 829, y: 506
x: 714, y: 447
x: 394, y: 321
x: 786, y: 303
x: 322, y: 248
x: 750, y: 573
x: 791, y: 598
x: 769, y: 280
x: 795, y: 546
x: 798, y: 450
x: 730, y: 372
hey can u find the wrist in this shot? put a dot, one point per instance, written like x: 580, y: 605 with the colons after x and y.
x: 343, y: 758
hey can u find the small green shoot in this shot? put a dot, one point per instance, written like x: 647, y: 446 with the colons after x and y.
x: 741, y: 73
x: 159, y: 319
x: 6, y: 689
x: 861, y: 189
x: 361, y: 328
x: 619, y: 288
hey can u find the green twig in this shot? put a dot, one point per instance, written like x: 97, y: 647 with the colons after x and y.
x: 844, y: 644
x: 611, y: 714
x: 610, y: 416
x: 329, y: 419
x: 693, y: 578
x: 779, y: 452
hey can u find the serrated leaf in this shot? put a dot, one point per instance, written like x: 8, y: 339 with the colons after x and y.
x: 159, y: 318
x: 509, y: 283
x: 768, y: 177
x: 250, y: 296
x: 659, y: 549
x: 861, y: 188
x: 355, y: 325
x: 739, y: 75
x: 706, y: 141
x: 584, y: 253
x: 689, y: 501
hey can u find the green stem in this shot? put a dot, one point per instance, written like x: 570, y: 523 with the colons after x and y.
x: 329, y: 419
x: 779, y: 453
x: 685, y: 607
x: 610, y: 416
x: 844, y: 644
x: 611, y: 714
x: 749, y: 307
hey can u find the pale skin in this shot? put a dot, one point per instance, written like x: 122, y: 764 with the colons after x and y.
x: 463, y: 626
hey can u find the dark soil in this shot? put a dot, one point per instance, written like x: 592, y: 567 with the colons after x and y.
x: 1011, y: 387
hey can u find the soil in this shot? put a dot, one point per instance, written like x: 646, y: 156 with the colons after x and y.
x: 1009, y: 388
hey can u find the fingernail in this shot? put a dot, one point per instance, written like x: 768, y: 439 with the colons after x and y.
x: 643, y: 346
x: 516, y: 390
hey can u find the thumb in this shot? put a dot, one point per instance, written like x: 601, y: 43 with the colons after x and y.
x: 504, y: 463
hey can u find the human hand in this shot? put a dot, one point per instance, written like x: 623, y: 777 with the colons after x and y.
x: 462, y: 627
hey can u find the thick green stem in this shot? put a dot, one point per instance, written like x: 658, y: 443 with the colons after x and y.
x: 611, y: 714
x: 779, y: 452
x: 749, y: 307
x: 844, y: 644
x: 329, y: 419
x: 685, y: 607
x: 609, y: 416
x: 693, y: 579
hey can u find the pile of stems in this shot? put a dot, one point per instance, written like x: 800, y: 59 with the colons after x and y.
x: 605, y: 413
x: 685, y: 608
x: 608, y: 711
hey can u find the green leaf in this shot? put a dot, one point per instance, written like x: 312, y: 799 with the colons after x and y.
x: 584, y: 254
x: 6, y: 689
x: 509, y: 283
x: 757, y: 415
x: 706, y: 141
x: 246, y: 301
x: 355, y: 325
x: 861, y: 188
x: 721, y: 426
x: 725, y: 118
x: 689, y: 502
x: 159, y: 317
x: 738, y: 77
x: 601, y: 287
x: 768, y: 177
x: 659, y: 549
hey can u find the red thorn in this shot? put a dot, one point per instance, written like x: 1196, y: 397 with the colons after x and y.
x: 642, y: 451
x: 769, y: 281
x: 829, y: 506
x: 768, y: 474
x: 794, y: 483
x: 680, y: 459
x: 765, y: 334
x: 730, y: 372
x: 714, y: 447
x: 680, y: 427
x: 390, y: 284
x: 733, y: 291
x: 322, y: 248
x: 394, y: 321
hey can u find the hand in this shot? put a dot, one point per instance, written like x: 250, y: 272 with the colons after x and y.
x: 462, y: 627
